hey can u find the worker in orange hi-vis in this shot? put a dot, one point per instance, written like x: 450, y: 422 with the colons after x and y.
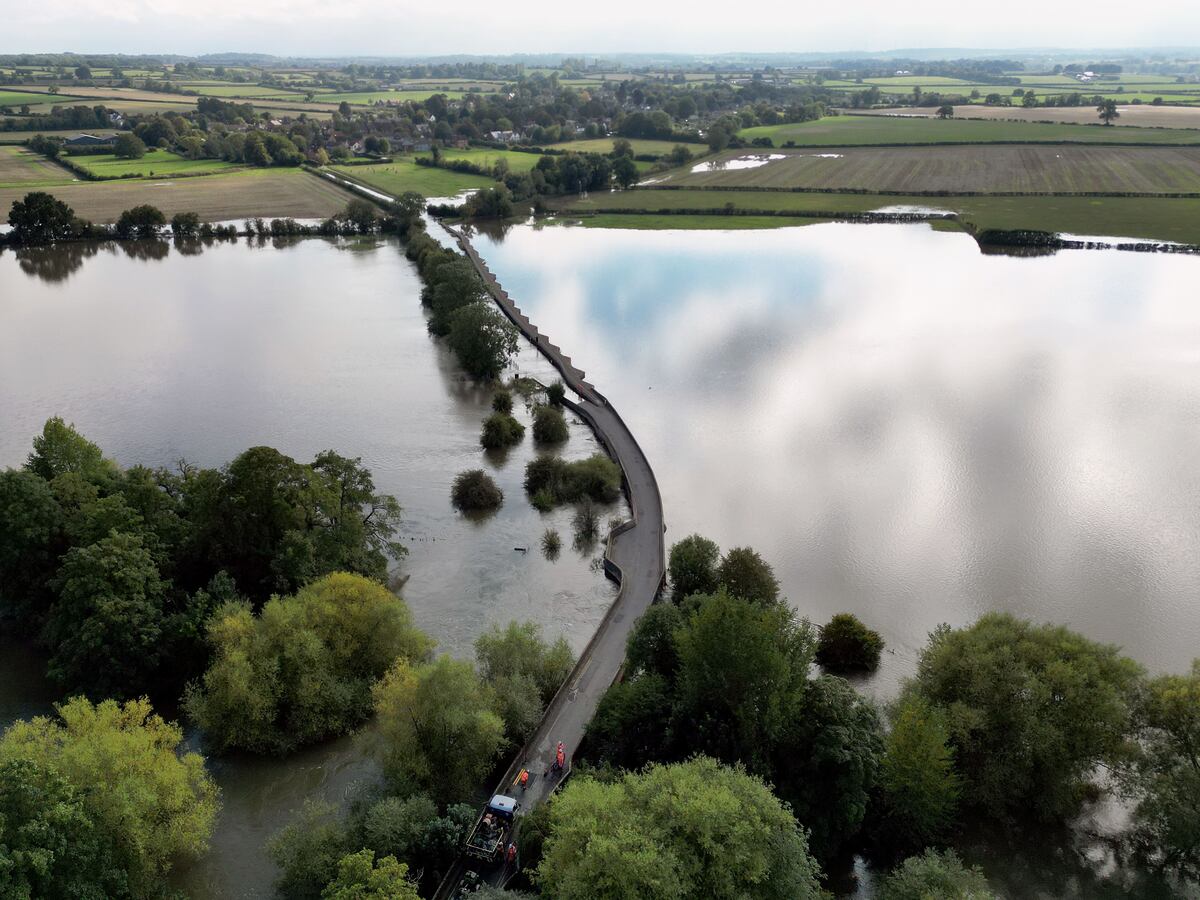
x: 523, y: 779
x: 512, y: 852
x: 560, y: 758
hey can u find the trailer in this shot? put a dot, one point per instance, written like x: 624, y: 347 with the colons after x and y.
x: 493, y: 829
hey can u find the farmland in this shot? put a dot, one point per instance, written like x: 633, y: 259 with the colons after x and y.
x: 833, y: 131
x: 16, y: 99
x: 1132, y: 217
x: 965, y: 169
x: 1140, y: 116
x: 640, y: 146
x: 269, y: 194
x: 405, y: 175
x: 369, y: 98
x: 155, y: 164
x: 24, y: 168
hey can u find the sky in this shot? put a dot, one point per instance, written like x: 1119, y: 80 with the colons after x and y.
x: 407, y: 28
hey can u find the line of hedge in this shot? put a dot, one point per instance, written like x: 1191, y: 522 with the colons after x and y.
x: 872, y: 192
x: 878, y: 217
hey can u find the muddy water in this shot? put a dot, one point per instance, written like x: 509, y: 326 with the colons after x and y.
x: 158, y: 355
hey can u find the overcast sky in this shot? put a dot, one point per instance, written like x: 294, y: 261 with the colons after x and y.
x: 404, y: 27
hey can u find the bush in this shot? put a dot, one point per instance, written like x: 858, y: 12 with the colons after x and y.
x: 847, y: 645
x: 475, y: 491
x: 935, y: 874
x: 501, y: 430
x: 502, y: 401
x: 551, y: 543
x: 542, y: 501
x: 555, y: 393
x: 558, y: 481
x: 142, y: 221
x: 549, y: 425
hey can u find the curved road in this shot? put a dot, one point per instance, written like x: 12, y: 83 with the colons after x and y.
x: 635, y: 559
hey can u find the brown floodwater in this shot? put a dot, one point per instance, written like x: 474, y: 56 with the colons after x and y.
x: 158, y: 354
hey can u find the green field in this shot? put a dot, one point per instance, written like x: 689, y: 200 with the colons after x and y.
x: 640, y: 146
x: 402, y: 175
x: 487, y: 157
x: 833, y: 131
x: 669, y: 222
x: 369, y: 98
x: 974, y: 168
x: 155, y: 164
x: 269, y: 193
x: 1133, y: 217
x: 17, y: 99
x: 249, y: 91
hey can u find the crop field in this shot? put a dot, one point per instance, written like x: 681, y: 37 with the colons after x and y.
x: 369, y: 98
x: 402, y: 175
x: 269, y: 194
x: 1132, y: 217
x: 32, y: 98
x: 640, y: 146
x: 1143, y: 116
x: 250, y: 91
x: 81, y: 94
x: 24, y: 168
x: 155, y: 164
x: 833, y: 131
x: 965, y: 169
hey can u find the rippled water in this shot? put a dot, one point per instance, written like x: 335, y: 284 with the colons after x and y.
x: 157, y: 355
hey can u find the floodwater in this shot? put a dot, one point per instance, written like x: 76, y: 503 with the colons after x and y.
x: 159, y: 353
x: 909, y: 430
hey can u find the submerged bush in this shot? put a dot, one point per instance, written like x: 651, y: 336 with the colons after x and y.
x: 549, y: 425
x: 597, y: 478
x: 551, y: 543
x: 501, y: 430
x: 502, y: 401
x: 555, y: 393
x: 847, y: 645
x: 475, y: 490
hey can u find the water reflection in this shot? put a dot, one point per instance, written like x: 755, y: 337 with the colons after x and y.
x: 907, y: 429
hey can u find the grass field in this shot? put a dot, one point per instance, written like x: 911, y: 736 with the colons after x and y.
x: 24, y: 168
x: 487, y: 157
x: 248, y: 91
x: 17, y: 99
x: 965, y: 169
x: 84, y: 94
x: 640, y: 145
x: 369, y: 98
x: 155, y: 164
x: 1143, y: 116
x: 402, y: 175
x: 1143, y: 218
x: 269, y: 194
x: 864, y: 130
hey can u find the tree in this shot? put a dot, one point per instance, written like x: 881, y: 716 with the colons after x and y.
x: 105, y: 628
x: 847, y: 645
x: 625, y: 171
x: 693, y: 567
x: 141, y: 221
x: 60, y: 449
x: 1032, y: 710
x: 83, y: 73
x: 185, y: 225
x: 308, y: 851
x: 827, y: 762
x: 718, y: 138
x: 412, y: 830
x: 651, y: 646
x: 945, y: 111
x: 40, y: 219
x: 702, y: 831
x: 1029, y: 100
x: 549, y: 425
x: 622, y: 148
x: 30, y: 524
x: 303, y: 669
x: 1164, y: 777
x: 743, y: 573
x: 742, y: 672
x: 935, y: 876
x: 360, y: 214
x: 919, y: 789
x: 483, y: 340
x: 439, y: 731
x: 1107, y: 110
x: 362, y: 877
x: 451, y: 285
x: 152, y: 804
x: 475, y: 491
x: 502, y: 401
x: 128, y: 146
x: 519, y: 650
x: 49, y: 845
x: 632, y: 724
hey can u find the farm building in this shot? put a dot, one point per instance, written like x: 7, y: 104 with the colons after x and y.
x: 90, y: 140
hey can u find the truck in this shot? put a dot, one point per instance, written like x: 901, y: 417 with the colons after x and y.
x: 493, y: 829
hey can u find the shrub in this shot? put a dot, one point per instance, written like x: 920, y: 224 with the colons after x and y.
x: 475, y: 490
x: 555, y: 393
x: 555, y: 480
x: 501, y: 430
x: 847, y: 645
x: 549, y: 425
x: 542, y: 501
x: 502, y: 401
x: 551, y: 543
x: 586, y: 523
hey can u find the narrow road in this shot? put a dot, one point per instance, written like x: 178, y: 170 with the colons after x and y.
x: 634, y: 558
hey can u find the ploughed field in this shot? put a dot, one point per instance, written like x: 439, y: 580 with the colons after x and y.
x: 20, y: 167
x: 974, y: 169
